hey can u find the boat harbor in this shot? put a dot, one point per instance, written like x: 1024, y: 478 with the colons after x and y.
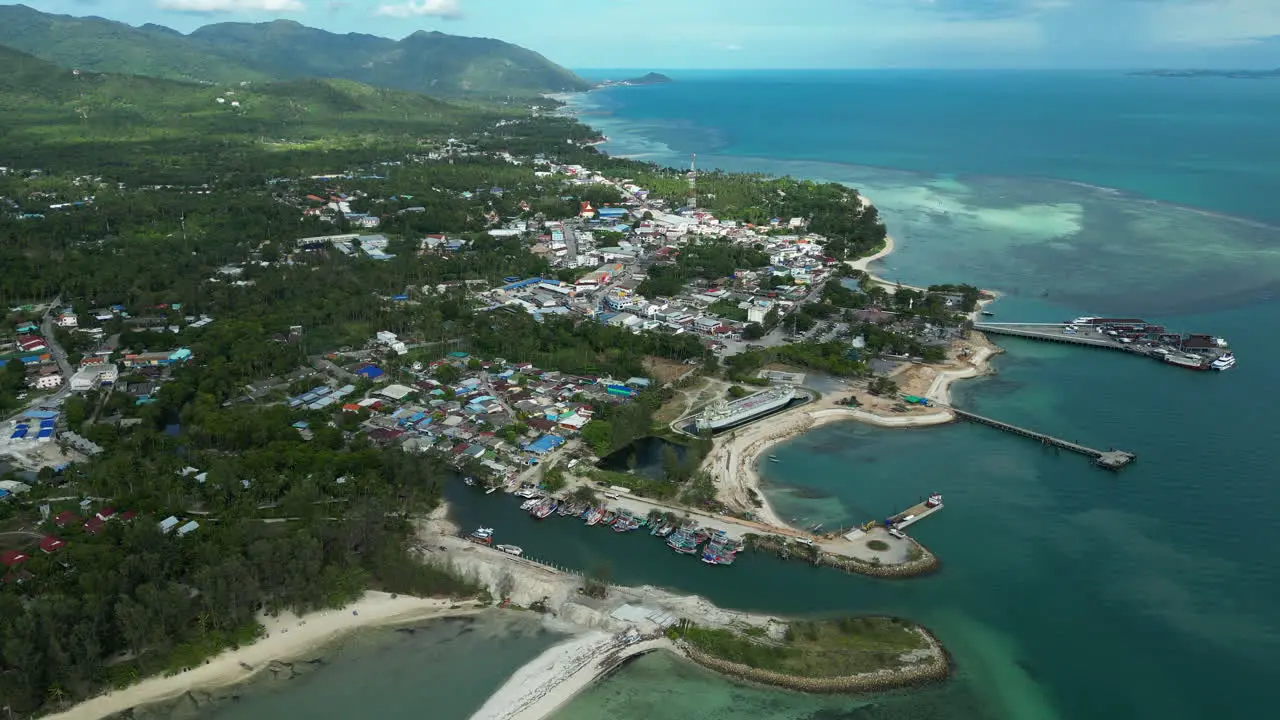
x: 1130, y: 335
x: 1111, y: 459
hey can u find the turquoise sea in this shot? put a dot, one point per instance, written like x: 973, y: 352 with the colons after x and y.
x: 1066, y: 592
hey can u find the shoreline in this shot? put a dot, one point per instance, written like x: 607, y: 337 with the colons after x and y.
x: 286, y: 636
x: 606, y: 632
x: 738, y: 455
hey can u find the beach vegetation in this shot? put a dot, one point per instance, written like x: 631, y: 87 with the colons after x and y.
x: 816, y: 648
x: 877, y: 545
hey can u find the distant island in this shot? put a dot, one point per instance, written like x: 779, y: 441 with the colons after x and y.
x: 652, y: 78
x: 1237, y: 74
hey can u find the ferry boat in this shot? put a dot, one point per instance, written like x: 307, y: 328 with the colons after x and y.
x: 1190, y: 362
x: 483, y: 535
x: 511, y: 549
x: 722, y: 415
x: 1225, y: 361
x: 934, y: 500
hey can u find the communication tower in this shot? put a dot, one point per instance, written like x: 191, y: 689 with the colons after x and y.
x: 693, y: 181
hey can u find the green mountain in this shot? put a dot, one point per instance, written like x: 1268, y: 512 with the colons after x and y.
x: 58, y: 118
x: 429, y: 62
x: 100, y: 45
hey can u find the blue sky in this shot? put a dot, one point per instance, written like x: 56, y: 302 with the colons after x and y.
x: 658, y: 34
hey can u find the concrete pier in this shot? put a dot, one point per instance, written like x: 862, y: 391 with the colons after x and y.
x: 1110, y: 459
x: 1053, y: 333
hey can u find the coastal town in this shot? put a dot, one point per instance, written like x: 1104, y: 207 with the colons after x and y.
x: 520, y: 327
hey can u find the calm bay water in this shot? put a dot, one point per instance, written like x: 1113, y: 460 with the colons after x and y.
x: 1066, y: 592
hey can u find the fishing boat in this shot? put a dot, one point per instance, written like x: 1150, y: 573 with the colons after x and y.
x: 511, y: 549
x: 546, y: 509
x: 491, y: 490
x: 666, y: 530
x: 469, y: 480
x: 609, y: 517
x: 528, y: 504
x: 483, y: 535
x: 595, y: 516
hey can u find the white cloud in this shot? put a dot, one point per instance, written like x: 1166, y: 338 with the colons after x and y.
x: 1213, y: 23
x: 447, y: 9
x: 220, y: 6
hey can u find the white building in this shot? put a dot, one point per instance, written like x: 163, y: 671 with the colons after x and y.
x: 47, y: 382
x: 89, y: 377
x: 67, y: 320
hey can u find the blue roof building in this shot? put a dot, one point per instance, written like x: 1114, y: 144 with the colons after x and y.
x: 370, y: 372
x: 544, y: 444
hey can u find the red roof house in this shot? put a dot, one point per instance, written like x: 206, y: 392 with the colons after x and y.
x: 13, y: 558
x: 51, y: 544
x: 93, y: 525
x: 65, y: 518
x: 106, y: 514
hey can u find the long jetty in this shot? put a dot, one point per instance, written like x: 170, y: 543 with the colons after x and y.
x: 1052, y: 332
x: 1110, y: 459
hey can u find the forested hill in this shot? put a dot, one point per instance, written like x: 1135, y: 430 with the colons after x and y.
x: 433, y: 63
x: 92, y: 43
x: 55, y: 118
x: 429, y: 62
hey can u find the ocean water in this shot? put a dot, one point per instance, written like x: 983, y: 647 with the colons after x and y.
x: 1066, y: 591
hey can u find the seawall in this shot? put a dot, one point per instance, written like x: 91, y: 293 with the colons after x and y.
x: 936, y: 668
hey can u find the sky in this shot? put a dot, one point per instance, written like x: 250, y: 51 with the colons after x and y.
x: 754, y: 34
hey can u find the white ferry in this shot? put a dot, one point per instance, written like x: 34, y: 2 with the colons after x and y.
x: 722, y: 415
x: 1225, y: 361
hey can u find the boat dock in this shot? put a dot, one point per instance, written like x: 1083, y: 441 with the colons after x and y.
x: 1127, y: 335
x: 914, y: 514
x: 1052, y: 332
x: 1110, y: 459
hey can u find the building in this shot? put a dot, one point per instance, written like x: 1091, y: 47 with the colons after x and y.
x: 94, y: 372
x: 157, y: 359
x: 67, y: 320
x: 47, y: 382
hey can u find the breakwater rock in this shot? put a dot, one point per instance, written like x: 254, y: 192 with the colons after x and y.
x: 926, y: 666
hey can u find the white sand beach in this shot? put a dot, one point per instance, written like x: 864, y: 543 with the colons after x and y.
x: 287, y: 636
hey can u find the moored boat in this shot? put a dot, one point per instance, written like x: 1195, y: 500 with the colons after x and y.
x: 483, y: 535
x: 1191, y: 362
x: 1225, y: 361
x: 511, y: 549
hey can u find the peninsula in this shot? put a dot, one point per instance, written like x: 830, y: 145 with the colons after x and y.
x: 652, y: 78
x: 1232, y: 74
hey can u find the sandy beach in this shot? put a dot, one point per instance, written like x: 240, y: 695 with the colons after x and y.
x: 287, y: 636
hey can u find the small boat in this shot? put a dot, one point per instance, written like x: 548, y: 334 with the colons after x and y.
x: 988, y: 313
x: 511, y: 549
x: 609, y: 517
x: 528, y: 504
x: 1225, y: 361
x: 491, y: 490
x: 595, y: 516
x: 469, y: 480
x: 666, y: 530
